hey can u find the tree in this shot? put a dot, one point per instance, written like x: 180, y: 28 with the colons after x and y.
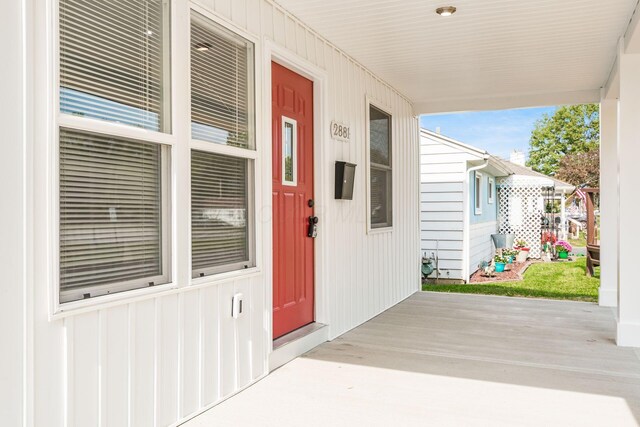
x: 580, y: 168
x: 570, y: 130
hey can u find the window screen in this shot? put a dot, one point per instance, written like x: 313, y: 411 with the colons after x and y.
x: 221, y: 85
x: 380, y: 168
x: 110, y: 214
x: 219, y: 226
x: 114, y: 61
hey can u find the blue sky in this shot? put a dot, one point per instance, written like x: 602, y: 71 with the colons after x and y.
x: 498, y: 132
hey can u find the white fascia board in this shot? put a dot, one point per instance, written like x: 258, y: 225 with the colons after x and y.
x: 632, y: 35
x: 611, y: 89
x: 506, y: 102
x: 454, y: 143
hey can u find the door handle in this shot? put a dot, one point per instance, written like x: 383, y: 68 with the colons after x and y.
x: 312, y: 231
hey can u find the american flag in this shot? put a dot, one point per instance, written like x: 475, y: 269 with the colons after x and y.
x: 582, y: 195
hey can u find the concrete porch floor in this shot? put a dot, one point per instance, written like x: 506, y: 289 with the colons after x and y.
x: 451, y: 359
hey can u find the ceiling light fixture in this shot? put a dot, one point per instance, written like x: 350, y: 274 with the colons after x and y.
x: 203, y: 46
x: 446, y: 10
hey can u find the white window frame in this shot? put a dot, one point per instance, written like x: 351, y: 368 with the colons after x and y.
x: 371, y: 228
x: 477, y: 193
x: 178, y: 113
x: 491, y: 189
x: 294, y: 151
x: 167, y: 140
x: 250, y: 154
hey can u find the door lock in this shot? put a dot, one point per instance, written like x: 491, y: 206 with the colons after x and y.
x: 312, y: 231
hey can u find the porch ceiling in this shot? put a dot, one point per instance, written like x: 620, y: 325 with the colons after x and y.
x: 491, y: 54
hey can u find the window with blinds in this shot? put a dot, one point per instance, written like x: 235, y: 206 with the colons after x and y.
x: 221, y: 85
x: 219, y: 221
x: 111, y: 214
x: 114, y: 61
x: 380, y: 172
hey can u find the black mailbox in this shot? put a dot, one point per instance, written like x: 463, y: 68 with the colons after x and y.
x: 345, y: 175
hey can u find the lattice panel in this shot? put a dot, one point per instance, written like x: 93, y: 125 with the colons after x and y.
x: 520, y: 211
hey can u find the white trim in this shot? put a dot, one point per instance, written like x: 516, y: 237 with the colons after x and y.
x: 294, y: 151
x: 504, y: 102
x: 137, y: 295
x: 310, y: 336
x: 628, y: 334
x: 225, y: 150
x: 477, y: 193
x: 104, y: 127
x: 607, y: 297
x: 491, y: 190
x: 470, y: 149
x: 466, y: 225
x: 177, y: 282
x: 276, y: 53
x: 370, y: 102
x: 252, y: 153
x: 167, y: 139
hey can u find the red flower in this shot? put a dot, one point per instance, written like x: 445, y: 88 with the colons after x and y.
x: 548, y: 237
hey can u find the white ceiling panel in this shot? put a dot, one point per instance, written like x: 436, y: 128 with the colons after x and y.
x: 490, y: 53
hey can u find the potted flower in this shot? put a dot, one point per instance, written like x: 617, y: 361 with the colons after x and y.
x: 522, y: 249
x: 509, y: 254
x: 521, y: 245
x: 563, y: 248
x: 548, y: 240
x: 499, y: 261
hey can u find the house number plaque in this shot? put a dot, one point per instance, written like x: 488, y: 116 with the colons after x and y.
x: 340, y: 131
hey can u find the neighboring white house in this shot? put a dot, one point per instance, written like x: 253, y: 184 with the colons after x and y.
x: 467, y: 195
x: 458, y: 204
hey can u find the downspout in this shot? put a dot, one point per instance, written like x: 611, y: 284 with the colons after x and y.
x: 466, y: 243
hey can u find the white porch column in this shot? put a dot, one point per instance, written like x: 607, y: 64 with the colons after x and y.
x: 12, y: 216
x: 609, y: 202
x: 629, y: 224
x: 563, y: 216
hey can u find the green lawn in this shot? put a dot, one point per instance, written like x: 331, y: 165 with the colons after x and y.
x: 579, y: 242
x: 554, y: 280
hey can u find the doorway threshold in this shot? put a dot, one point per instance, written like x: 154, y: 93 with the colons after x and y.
x: 289, y: 346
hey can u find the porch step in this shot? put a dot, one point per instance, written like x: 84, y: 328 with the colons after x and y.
x: 296, y: 343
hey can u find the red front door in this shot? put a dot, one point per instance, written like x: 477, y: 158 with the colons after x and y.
x: 293, y: 266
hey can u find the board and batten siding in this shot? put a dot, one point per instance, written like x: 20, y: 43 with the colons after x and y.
x: 443, y: 168
x: 156, y: 360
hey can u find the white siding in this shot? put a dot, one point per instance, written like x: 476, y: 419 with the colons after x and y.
x: 156, y: 360
x: 480, y: 243
x: 14, y: 215
x: 442, y: 196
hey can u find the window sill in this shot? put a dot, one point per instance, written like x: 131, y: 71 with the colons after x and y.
x: 74, y: 308
x: 214, y: 279
x: 381, y: 230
